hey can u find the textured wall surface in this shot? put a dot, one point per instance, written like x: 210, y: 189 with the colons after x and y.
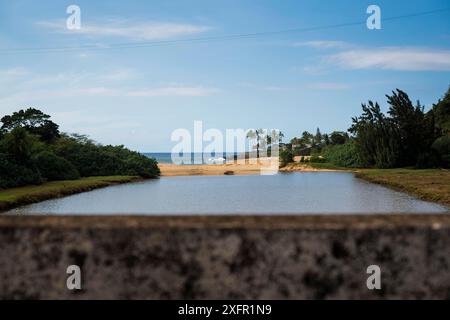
x: 225, y: 257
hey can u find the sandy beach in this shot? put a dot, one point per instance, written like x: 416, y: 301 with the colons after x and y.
x: 240, y: 167
x: 209, y: 169
x: 231, y: 168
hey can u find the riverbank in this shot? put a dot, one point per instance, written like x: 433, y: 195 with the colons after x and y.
x: 312, y: 167
x: 426, y: 184
x: 15, y: 197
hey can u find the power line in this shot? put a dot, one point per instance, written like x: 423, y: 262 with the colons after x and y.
x: 206, y: 39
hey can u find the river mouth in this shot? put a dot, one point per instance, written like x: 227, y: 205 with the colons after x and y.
x: 284, y: 193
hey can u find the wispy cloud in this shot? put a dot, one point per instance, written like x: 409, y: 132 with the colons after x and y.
x: 314, y: 70
x: 393, y: 58
x: 19, y: 86
x: 118, y: 75
x: 128, y: 30
x: 323, y: 44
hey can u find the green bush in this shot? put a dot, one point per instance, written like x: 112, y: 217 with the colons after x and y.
x: 429, y: 159
x: 286, y: 157
x: 96, y: 160
x: 53, y: 167
x: 32, y: 150
x: 15, y: 175
x: 139, y: 165
x: 343, y: 155
x: 442, y: 147
x: 317, y: 159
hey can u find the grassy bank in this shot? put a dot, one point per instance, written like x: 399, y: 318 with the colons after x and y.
x: 328, y: 166
x: 14, y: 197
x: 426, y: 184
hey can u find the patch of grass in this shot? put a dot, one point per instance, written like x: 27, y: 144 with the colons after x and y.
x: 14, y: 197
x: 326, y: 165
x: 427, y: 184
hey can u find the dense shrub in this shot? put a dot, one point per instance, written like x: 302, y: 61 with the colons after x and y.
x: 317, y: 159
x: 15, y: 175
x: 91, y: 159
x: 430, y: 159
x: 442, y: 147
x: 139, y: 165
x: 286, y: 157
x: 344, y: 155
x: 32, y: 150
x: 53, y: 167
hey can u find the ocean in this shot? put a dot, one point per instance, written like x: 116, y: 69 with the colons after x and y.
x: 199, y: 158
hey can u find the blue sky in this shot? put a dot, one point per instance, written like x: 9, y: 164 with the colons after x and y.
x: 292, y: 81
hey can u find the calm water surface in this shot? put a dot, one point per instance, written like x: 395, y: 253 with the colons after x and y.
x: 291, y: 193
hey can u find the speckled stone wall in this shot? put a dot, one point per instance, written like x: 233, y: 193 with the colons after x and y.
x: 225, y: 257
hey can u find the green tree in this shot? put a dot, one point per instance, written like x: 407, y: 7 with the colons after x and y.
x: 411, y: 129
x: 441, y: 113
x: 338, y: 137
x: 318, y: 138
x: 256, y: 135
x: 442, y: 148
x: 344, y: 155
x: 15, y: 175
x: 53, y: 167
x: 34, y: 121
x: 307, y: 140
x: 286, y: 157
x: 375, y: 137
x: 18, y: 144
x: 326, y: 139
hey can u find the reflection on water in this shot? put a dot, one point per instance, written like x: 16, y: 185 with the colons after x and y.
x: 291, y: 193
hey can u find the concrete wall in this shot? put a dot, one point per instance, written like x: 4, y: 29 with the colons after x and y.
x: 323, y: 257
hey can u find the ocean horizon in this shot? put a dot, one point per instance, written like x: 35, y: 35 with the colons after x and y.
x: 196, y: 157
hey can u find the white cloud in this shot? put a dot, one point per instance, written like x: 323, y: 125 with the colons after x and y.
x: 323, y: 44
x: 129, y: 30
x: 394, y: 58
x: 23, y: 87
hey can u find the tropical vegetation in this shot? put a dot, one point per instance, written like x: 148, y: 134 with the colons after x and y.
x: 34, y: 151
x: 405, y: 136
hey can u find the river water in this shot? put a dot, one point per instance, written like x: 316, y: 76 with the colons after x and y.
x: 285, y: 193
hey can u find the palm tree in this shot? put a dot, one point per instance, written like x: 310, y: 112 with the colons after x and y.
x: 280, y: 137
x: 255, y: 134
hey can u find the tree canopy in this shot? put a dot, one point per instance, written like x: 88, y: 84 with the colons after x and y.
x: 405, y: 136
x: 34, y: 121
x: 32, y: 151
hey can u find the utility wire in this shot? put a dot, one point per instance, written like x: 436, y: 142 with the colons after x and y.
x: 206, y: 39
